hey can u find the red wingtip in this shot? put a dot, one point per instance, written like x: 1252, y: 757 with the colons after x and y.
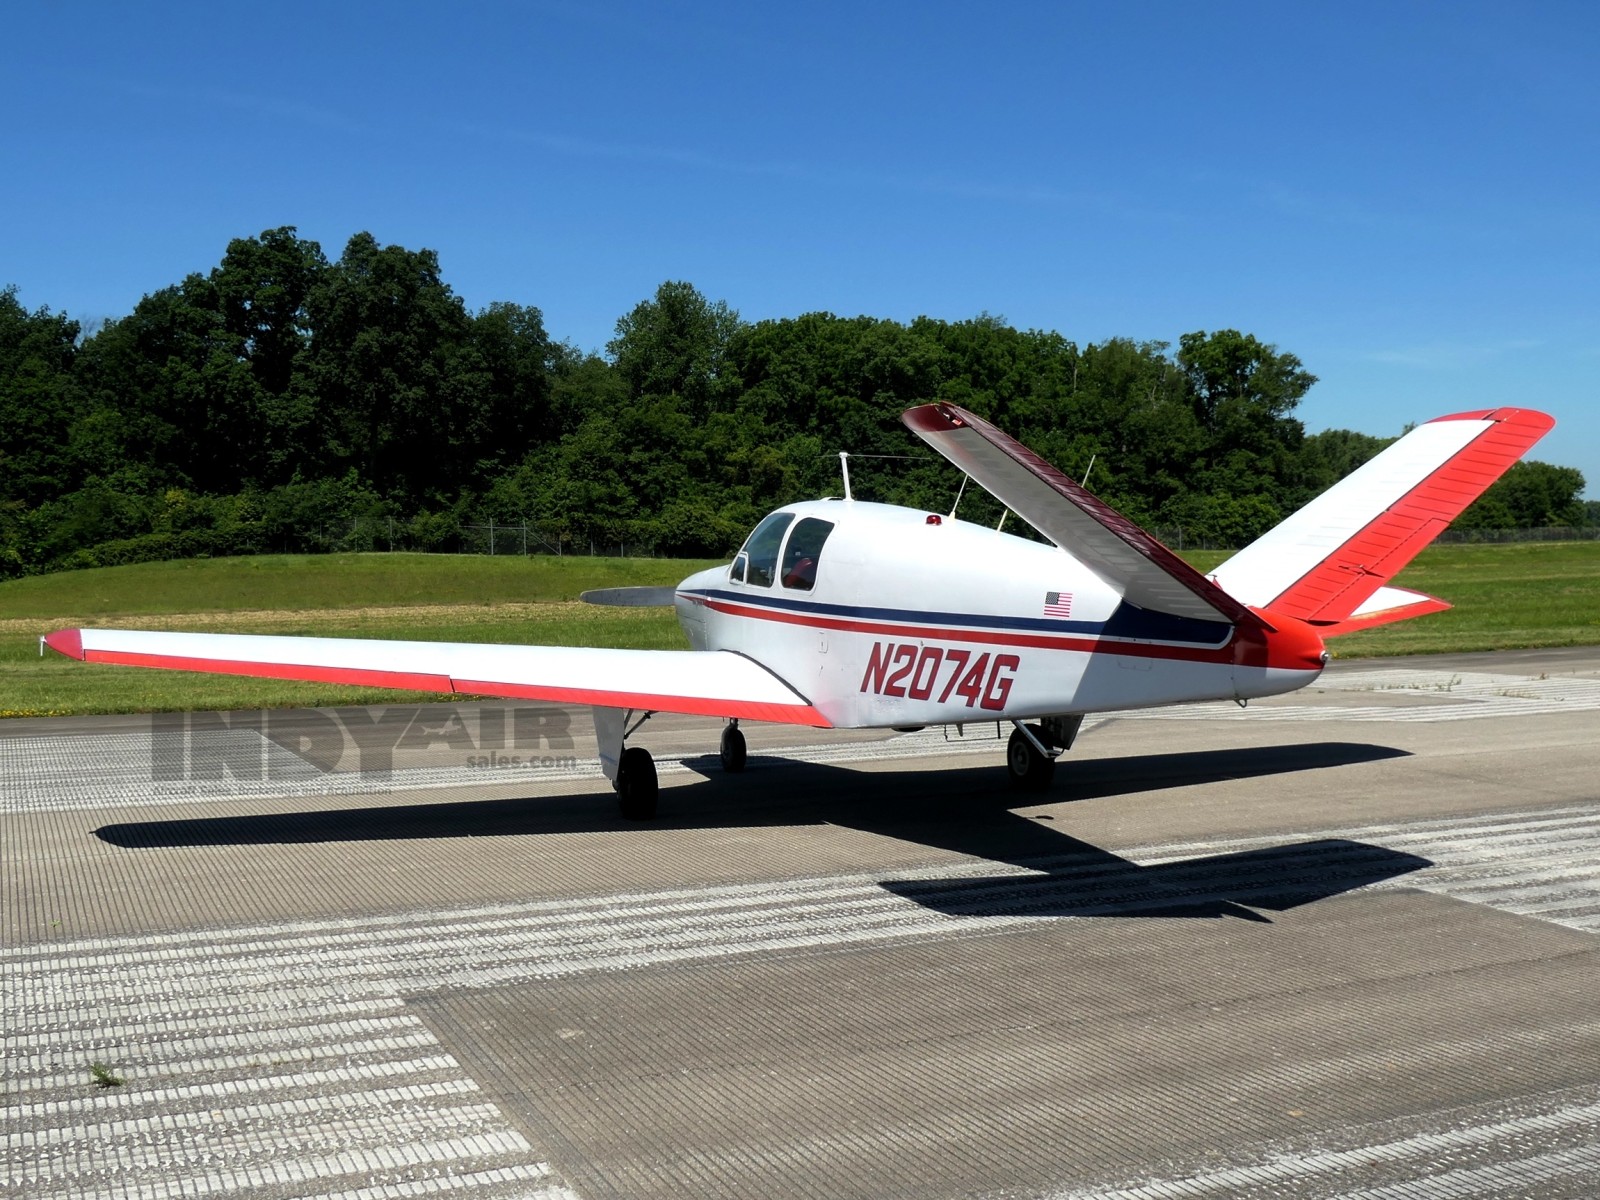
x: 931, y: 418
x: 1521, y: 418
x: 66, y: 641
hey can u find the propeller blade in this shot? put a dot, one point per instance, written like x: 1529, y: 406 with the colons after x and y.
x: 631, y: 597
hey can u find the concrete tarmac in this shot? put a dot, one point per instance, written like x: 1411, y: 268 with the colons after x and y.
x: 1342, y: 943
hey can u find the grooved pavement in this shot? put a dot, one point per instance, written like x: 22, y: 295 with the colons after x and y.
x: 1252, y: 960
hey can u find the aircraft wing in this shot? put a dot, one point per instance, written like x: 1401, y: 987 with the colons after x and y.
x: 1119, y: 551
x: 716, y: 683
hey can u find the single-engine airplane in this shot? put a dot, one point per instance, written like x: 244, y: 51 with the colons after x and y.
x: 850, y: 614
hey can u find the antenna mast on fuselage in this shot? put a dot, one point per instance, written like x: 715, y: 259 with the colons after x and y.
x: 844, y: 469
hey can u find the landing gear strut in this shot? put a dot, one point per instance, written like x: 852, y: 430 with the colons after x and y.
x: 1032, y: 751
x: 1029, y: 768
x: 630, y: 768
x: 733, y: 751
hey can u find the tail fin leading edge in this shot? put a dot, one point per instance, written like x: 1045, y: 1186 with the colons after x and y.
x: 1328, y: 564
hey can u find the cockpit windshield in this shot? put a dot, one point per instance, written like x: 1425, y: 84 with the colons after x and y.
x: 801, y: 554
x: 761, y: 549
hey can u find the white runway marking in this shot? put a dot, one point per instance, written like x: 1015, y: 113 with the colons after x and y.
x: 1500, y: 1155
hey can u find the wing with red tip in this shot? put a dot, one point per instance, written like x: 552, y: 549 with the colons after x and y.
x: 715, y: 683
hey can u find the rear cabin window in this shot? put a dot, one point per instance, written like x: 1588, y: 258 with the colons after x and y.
x: 801, y: 555
x: 761, y: 550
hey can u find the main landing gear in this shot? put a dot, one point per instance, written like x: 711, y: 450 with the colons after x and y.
x: 733, y: 753
x: 634, y: 775
x: 1033, y: 749
x: 630, y: 768
x: 637, y: 788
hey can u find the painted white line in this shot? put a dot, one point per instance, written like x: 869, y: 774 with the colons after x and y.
x: 300, y: 1081
x: 1581, y: 1164
x: 364, y: 1162
x: 1422, y: 1151
x: 335, y: 1102
x: 476, y: 1182
x: 43, y: 1080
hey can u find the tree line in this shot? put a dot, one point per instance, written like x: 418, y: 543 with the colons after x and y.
x: 283, y: 397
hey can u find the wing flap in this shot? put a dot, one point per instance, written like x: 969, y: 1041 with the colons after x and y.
x: 1119, y: 551
x: 703, y: 683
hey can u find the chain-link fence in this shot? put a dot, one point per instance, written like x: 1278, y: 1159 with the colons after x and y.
x: 1552, y: 533
x: 559, y: 537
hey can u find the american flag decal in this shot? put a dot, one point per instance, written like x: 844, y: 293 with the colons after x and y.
x: 1058, y: 604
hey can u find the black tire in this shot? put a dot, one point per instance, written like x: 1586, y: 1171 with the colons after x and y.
x: 1029, y: 770
x: 733, y: 752
x: 637, y: 789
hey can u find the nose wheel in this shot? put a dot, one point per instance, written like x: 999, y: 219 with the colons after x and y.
x: 733, y: 751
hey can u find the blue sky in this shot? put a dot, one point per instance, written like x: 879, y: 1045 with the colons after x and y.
x: 1407, y: 196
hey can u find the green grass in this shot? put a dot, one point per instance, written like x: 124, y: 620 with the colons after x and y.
x: 1506, y: 597
x: 1535, y: 594
x: 324, y: 581
x: 458, y: 598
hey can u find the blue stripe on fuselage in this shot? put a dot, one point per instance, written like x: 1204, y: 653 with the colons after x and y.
x: 1129, y: 621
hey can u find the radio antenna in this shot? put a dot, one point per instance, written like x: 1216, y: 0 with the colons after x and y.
x: 959, y: 493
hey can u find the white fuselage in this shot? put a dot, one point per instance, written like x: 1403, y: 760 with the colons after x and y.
x: 916, y: 619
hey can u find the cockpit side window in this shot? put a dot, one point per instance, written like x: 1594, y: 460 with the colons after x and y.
x: 804, y: 550
x: 761, y: 549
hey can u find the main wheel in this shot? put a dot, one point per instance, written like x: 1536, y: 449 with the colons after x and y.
x: 733, y: 753
x: 1029, y: 770
x: 636, y: 784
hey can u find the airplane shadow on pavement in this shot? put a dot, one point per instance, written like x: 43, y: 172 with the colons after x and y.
x: 966, y: 810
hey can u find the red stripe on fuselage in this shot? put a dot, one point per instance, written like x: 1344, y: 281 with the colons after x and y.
x: 1082, y: 645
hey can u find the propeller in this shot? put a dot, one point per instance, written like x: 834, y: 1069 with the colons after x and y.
x: 630, y: 597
